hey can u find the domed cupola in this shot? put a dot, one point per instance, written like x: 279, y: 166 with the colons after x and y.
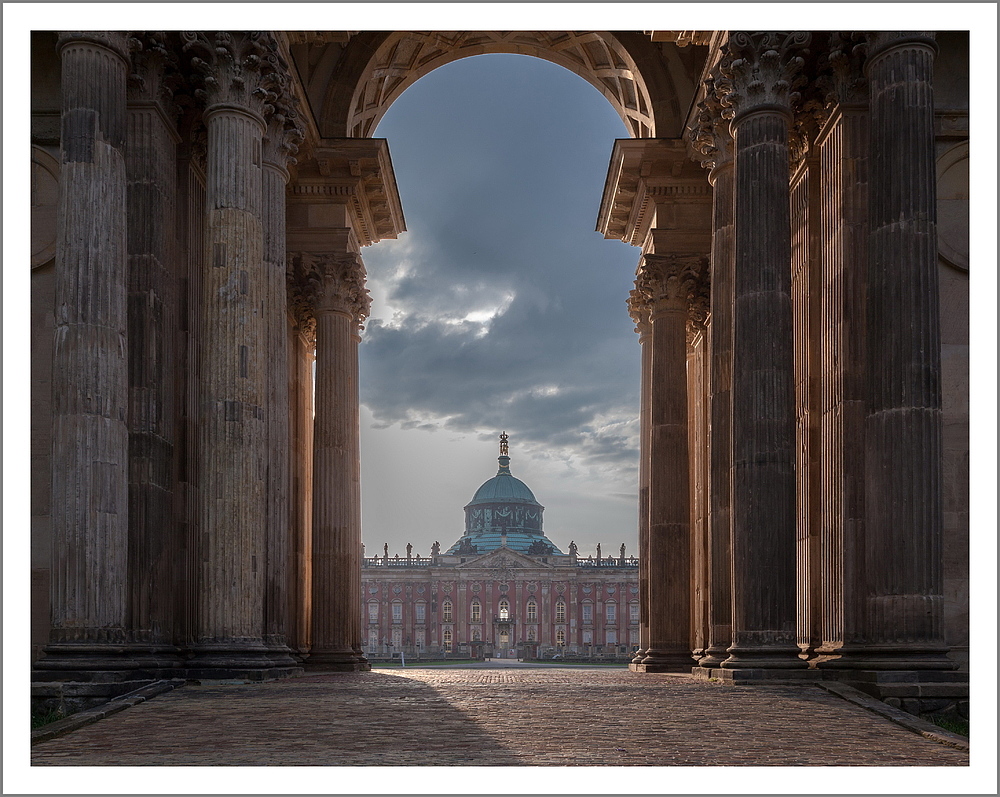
x: 504, y: 512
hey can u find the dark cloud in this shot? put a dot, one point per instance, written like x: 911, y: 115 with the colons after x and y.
x: 502, y: 307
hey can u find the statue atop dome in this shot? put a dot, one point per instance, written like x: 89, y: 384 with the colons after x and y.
x: 503, y: 444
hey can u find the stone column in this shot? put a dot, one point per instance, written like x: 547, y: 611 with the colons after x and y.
x: 638, y: 307
x: 280, y: 142
x: 154, y: 337
x: 233, y: 441
x: 90, y: 359
x: 903, y: 425
x: 713, y: 141
x: 342, y: 304
x: 762, y: 70
x: 843, y: 145
x: 668, y: 281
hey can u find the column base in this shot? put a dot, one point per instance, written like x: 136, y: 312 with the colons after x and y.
x: 640, y: 654
x: 713, y: 657
x: 885, y: 657
x: 661, y: 660
x: 237, y: 661
x: 764, y: 657
x: 756, y: 675
x: 336, y: 661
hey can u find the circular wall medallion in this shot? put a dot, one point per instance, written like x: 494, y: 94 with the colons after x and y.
x: 44, y: 203
x: 503, y: 588
x: 397, y: 589
x: 611, y: 589
x: 587, y: 589
x: 476, y: 587
x: 420, y: 589
x: 634, y: 590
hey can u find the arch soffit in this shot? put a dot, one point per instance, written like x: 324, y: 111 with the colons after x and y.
x: 402, y: 58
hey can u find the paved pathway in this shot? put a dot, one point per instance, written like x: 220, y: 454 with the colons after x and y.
x: 496, y: 716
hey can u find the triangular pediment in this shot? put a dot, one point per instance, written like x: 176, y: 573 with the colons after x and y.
x: 502, y: 559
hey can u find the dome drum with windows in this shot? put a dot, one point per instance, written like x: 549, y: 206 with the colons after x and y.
x: 504, y: 514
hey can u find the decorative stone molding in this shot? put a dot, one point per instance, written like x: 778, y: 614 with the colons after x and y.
x: 670, y: 282
x: 764, y: 70
x: 237, y: 69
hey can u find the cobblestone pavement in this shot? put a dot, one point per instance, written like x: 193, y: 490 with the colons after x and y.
x: 495, y: 716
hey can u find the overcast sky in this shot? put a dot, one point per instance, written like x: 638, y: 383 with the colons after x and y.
x: 500, y: 309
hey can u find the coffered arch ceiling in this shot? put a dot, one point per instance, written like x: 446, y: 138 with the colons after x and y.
x: 352, y: 79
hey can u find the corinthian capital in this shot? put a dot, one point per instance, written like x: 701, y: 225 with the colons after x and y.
x: 236, y: 68
x: 110, y: 40
x: 882, y: 41
x: 710, y: 139
x: 639, y: 309
x: 698, y: 308
x: 764, y: 70
x: 841, y: 67
x: 154, y: 76
x: 669, y: 282
x: 330, y: 282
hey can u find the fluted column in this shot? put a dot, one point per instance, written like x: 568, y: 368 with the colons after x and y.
x: 638, y: 307
x: 843, y: 152
x: 341, y: 305
x: 668, y: 281
x: 89, y: 367
x: 713, y: 141
x: 762, y: 68
x: 280, y: 142
x: 233, y: 441
x: 151, y: 164
x: 903, y: 369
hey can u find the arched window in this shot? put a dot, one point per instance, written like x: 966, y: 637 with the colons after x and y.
x: 446, y: 611
x: 633, y: 612
x: 421, y: 612
x: 447, y: 639
x: 586, y: 613
x: 561, y: 611
x: 504, y: 609
x: 611, y: 612
x: 532, y: 610
x: 477, y: 611
x: 397, y: 637
x: 560, y: 637
x: 397, y: 612
x: 373, y: 612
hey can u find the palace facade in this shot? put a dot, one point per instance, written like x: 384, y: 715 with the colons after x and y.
x: 502, y: 590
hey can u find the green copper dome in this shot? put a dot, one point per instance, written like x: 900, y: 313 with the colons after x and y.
x: 503, y: 487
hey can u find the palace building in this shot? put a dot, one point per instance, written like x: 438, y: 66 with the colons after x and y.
x: 503, y: 589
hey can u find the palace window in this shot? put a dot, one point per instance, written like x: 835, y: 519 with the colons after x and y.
x: 397, y: 637
x: 587, y: 613
x: 373, y: 612
x: 561, y: 611
x: 611, y: 612
x: 446, y: 611
x: 560, y: 637
x: 633, y: 612
x: 397, y: 612
x: 477, y: 611
x: 588, y: 637
x: 373, y: 638
x: 421, y: 612
x: 447, y: 639
x: 532, y: 610
x: 504, y: 609
x: 611, y: 637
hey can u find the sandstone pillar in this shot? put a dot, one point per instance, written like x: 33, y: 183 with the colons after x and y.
x: 903, y: 371
x: 153, y: 337
x: 762, y: 68
x: 713, y: 141
x: 668, y: 281
x: 280, y: 141
x: 638, y: 305
x: 233, y: 441
x: 89, y: 367
x: 341, y: 305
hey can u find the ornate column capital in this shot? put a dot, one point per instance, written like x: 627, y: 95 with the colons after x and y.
x: 284, y: 133
x: 763, y: 71
x: 238, y: 69
x: 670, y: 282
x: 710, y: 140
x: 327, y: 282
x: 883, y: 41
x: 700, y: 304
x: 639, y: 309
x: 842, y: 78
x: 117, y: 42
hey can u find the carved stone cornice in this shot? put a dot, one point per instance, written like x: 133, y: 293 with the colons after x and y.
x: 238, y: 69
x: 764, y: 71
x: 710, y: 139
x: 670, y: 282
x: 327, y: 282
x: 639, y: 309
